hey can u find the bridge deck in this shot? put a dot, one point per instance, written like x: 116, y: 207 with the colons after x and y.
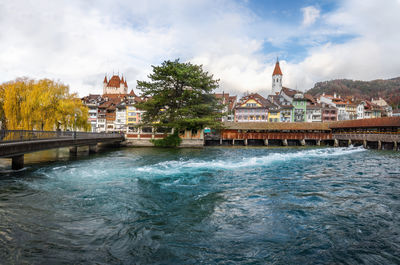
x: 15, y: 143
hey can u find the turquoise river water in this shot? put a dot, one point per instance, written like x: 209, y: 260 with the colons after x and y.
x: 203, y: 206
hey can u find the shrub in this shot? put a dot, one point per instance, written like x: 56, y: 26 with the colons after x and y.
x: 172, y: 140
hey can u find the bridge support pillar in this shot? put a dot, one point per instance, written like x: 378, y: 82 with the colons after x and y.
x: 93, y: 149
x: 379, y: 145
x: 365, y: 144
x: 245, y: 142
x: 220, y: 141
x: 302, y: 142
x: 233, y: 142
x: 318, y: 143
x: 284, y: 142
x: 17, y: 162
x: 349, y: 142
x: 336, y: 143
x: 73, y: 150
x: 266, y: 142
x: 395, y: 146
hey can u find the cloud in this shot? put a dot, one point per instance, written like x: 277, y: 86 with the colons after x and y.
x: 77, y: 42
x: 310, y: 15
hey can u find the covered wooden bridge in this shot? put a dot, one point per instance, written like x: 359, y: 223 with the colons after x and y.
x: 260, y: 133
x: 379, y: 133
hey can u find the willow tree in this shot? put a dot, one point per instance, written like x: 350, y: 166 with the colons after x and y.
x: 180, y: 96
x: 41, y: 105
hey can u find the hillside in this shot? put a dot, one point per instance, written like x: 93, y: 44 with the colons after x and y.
x: 387, y: 89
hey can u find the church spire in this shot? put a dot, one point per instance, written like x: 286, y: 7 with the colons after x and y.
x: 277, y: 70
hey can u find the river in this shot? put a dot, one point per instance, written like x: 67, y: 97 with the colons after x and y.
x: 203, y: 206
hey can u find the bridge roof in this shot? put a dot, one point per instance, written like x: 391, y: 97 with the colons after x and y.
x: 367, y: 123
x: 277, y: 126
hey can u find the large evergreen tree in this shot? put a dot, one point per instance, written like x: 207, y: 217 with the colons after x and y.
x: 180, y: 96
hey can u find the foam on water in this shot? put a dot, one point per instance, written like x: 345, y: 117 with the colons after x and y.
x: 183, y: 166
x: 207, y: 206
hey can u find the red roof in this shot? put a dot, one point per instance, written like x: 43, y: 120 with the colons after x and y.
x: 132, y: 93
x: 105, y: 79
x: 114, y: 96
x: 289, y: 92
x: 115, y: 81
x: 376, y: 122
x: 310, y: 98
x: 277, y: 70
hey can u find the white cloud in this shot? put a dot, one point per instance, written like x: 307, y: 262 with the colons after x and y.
x: 310, y: 15
x: 77, y: 42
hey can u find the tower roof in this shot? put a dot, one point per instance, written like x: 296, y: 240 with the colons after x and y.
x: 277, y: 70
x: 105, y: 80
x: 116, y: 81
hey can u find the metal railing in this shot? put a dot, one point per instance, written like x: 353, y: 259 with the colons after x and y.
x: 26, y: 135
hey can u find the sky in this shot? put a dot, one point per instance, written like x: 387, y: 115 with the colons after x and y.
x: 78, y: 42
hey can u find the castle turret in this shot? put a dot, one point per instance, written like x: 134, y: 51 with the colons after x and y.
x: 105, y: 82
x: 276, y: 79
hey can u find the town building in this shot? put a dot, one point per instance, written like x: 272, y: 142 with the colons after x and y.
x: 372, y: 110
x: 329, y: 113
x: 133, y: 115
x: 299, y: 108
x: 387, y: 110
x: 360, y: 109
x: 285, y: 107
x: 252, y: 107
x: 351, y: 110
x: 120, y: 117
x: 229, y: 103
x: 92, y: 102
x: 314, y: 113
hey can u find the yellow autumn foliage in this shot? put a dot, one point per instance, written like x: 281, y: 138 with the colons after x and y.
x: 27, y: 104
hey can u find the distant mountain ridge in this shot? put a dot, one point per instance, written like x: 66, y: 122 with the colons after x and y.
x: 388, y: 89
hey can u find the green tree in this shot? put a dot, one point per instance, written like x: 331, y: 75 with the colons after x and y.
x: 180, y: 96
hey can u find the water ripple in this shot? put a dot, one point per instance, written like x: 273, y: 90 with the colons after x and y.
x: 209, y: 206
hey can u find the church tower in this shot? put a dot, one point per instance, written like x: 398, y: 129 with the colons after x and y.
x: 276, y: 79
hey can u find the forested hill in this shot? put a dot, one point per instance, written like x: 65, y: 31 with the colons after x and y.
x: 387, y: 89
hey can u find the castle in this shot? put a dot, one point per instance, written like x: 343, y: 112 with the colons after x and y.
x: 115, y: 85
